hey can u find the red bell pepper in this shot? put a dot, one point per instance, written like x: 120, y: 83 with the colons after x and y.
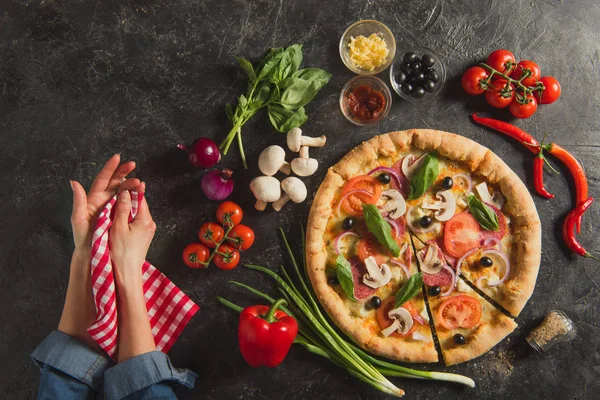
x: 265, y: 334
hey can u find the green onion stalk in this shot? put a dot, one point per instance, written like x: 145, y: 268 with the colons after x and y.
x: 317, y: 335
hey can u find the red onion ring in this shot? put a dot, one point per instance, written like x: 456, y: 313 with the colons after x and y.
x: 414, y: 228
x: 390, y: 171
x: 394, y: 225
x: 404, y: 268
x: 361, y: 191
x: 454, y: 275
x: 460, y: 261
x: 504, y: 258
x: 478, y: 282
x: 419, y: 319
x: 339, y: 237
x: 496, y: 242
x: 466, y: 178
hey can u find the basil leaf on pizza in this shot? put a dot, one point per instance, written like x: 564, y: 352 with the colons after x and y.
x: 344, y: 275
x: 425, y: 176
x: 380, y: 228
x: 409, y: 290
x: 483, y: 213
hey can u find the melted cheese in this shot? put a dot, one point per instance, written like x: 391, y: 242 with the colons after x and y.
x: 368, y: 53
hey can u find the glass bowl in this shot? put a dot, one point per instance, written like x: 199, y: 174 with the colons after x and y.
x: 439, y: 66
x: 366, y: 28
x: 375, y: 84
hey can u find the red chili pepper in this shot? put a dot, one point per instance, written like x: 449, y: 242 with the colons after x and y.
x: 577, y: 172
x: 265, y: 334
x: 538, y: 177
x: 569, y: 225
x: 510, y: 130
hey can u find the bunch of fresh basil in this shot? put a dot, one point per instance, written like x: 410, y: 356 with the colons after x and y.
x: 278, y: 84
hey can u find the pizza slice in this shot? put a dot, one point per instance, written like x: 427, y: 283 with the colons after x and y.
x: 466, y: 325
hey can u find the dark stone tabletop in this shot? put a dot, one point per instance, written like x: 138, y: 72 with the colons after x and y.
x: 82, y: 80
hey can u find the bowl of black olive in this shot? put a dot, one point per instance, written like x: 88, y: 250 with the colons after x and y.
x: 417, y: 73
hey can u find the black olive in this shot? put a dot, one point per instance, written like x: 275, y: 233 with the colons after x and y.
x: 348, y: 223
x: 407, y: 88
x: 435, y: 290
x: 410, y: 69
x: 429, y: 85
x: 420, y: 77
x: 486, y: 262
x: 410, y: 56
x: 447, y: 183
x: 418, y: 92
x: 333, y: 280
x: 404, y: 66
x: 375, y: 302
x: 433, y: 75
x: 427, y: 60
x: 425, y: 221
x: 384, y: 178
x: 416, y: 67
x: 459, y: 339
x: 400, y: 77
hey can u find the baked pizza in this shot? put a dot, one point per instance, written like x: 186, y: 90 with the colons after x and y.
x: 422, y: 244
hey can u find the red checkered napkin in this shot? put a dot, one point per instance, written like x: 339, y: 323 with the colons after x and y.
x: 169, y: 309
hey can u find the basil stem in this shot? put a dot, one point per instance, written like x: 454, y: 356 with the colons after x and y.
x: 409, y: 290
x: 344, y: 275
x: 483, y: 213
x: 424, y: 177
x: 380, y: 228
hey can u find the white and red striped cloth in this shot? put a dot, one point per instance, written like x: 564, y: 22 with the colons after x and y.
x: 169, y: 309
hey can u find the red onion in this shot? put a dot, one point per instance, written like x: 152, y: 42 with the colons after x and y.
x: 492, y: 241
x: 393, y: 173
x: 504, y: 258
x: 467, y: 178
x: 414, y: 228
x: 402, y: 266
x: 217, y: 185
x: 394, y: 225
x: 203, y: 153
x: 460, y: 261
x: 340, y: 237
x: 451, y: 288
x: 357, y: 191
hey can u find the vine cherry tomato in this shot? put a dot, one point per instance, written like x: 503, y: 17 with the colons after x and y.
x: 499, y: 95
x: 461, y: 234
x: 460, y: 311
x: 502, y: 60
x: 353, y: 203
x: 241, y: 237
x: 228, y: 259
x: 523, y: 110
x: 210, y: 234
x: 552, y: 91
x: 229, y: 213
x: 195, y: 254
x: 384, y: 321
x: 471, y: 80
x: 534, y: 72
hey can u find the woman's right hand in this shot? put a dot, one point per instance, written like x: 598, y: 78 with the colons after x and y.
x: 129, y: 242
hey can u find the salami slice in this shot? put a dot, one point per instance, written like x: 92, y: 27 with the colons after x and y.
x: 404, y: 182
x: 499, y: 234
x: 442, y: 278
x: 451, y: 261
x: 361, y: 291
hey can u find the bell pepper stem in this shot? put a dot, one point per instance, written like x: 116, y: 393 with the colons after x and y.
x: 270, y: 316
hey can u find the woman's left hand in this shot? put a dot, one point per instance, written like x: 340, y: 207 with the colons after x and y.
x: 87, y: 207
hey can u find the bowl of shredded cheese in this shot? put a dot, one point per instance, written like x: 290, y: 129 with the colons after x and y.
x: 367, y: 47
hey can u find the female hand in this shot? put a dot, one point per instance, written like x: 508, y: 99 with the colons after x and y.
x: 129, y: 242
x: 86, y: 208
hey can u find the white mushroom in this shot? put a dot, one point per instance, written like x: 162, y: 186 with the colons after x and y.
x: 272, y: 159
x: 304, y: 165
x: 430, y: 261
x: 295, y: 140
x: 484, y: 194
x: 446, y: 207
x: 377, y: 276
x: 266, y: 190
x: 410, y: 165
x: 403, y: 321
x: 295, y: 190
x: 395, y: 204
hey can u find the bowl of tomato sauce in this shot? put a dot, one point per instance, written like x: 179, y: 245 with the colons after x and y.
x: 365, y: 100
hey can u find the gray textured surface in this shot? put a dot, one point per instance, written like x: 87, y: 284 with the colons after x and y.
x: 82, y: 80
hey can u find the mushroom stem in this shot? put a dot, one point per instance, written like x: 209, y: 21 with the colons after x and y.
x: 304, y: 152
x: 285, y: 168
x: 278, y: 205
x: 260, y: 205
x: 313, y: 141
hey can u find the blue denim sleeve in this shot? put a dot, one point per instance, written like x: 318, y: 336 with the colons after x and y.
x: 67, y: 362
x: 149, y: 375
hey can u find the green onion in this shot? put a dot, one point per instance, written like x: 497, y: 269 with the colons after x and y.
x: 319, y: 337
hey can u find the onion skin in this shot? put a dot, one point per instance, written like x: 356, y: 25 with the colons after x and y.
x: 217, y: 185
x: 203, y: 153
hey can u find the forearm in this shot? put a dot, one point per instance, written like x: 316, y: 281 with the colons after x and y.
x: 79, y: 310
x: 135, y: 334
